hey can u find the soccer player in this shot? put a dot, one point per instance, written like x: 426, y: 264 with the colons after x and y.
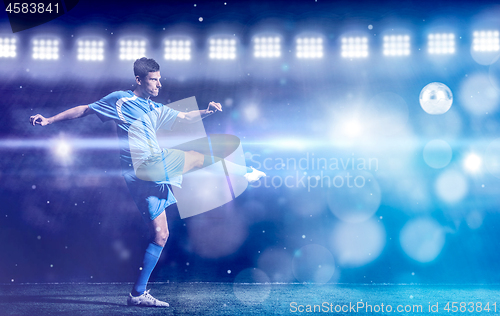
x: 138, y: 118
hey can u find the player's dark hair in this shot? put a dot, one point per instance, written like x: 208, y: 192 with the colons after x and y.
x: 144, y: 65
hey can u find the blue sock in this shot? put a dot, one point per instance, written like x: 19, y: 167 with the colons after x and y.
x: 151, y: 257
x: 237, y: 169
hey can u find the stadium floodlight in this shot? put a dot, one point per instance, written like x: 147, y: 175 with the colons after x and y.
x: 90, y: 50
x: 441, y: 43
x: 486, y: 41
x: 7, y: 47
x: 177, y: 49
x: 354, y: 47
x: 45, y: 48
x: 309, y: 47
x: 266, y: 47
x: 353, y: 128
x: 62, y: 151
x: 132, y: 48
x: 222, y: 48
x: 396, y: 45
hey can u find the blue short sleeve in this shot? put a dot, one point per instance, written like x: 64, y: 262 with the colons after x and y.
x: 166, y: 117
x: 106, y: 107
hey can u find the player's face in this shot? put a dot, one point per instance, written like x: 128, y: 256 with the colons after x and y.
x: 151, y: 84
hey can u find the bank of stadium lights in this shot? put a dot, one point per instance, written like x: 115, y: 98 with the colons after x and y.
x: 354, y: 47
x: 132, y: 49
x: 266, y: 47
x: 441, y: 43
x: 222, y: 48
x: 177, y: 49
x: 486, y: 41
x: 396, y: 45
x: 90, y: 50
x: 7, y: 47
x: 45, y: 49
x: 309, y: 47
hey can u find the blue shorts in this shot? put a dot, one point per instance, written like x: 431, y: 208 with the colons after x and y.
x: 153, y: 197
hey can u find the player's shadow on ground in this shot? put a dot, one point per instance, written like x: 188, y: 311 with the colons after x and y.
x: 52, y: 299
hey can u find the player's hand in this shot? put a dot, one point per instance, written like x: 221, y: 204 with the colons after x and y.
x: 214, y: 107
x: 39, y: 119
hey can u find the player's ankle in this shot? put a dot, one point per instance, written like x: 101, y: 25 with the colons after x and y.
x: 135, y: 293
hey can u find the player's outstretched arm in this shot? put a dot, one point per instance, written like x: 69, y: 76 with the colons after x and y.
x: 73, y: 113
x: 195, y: 116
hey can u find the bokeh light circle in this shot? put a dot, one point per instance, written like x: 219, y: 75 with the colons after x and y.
x: 313, y: 264
x: 313, y: 205
x: 355, y: 245
x: 214, y: 238
x: 492, y: 158
x: 354, y: 196
x: 254, y: 211
x: 451, y: 186
x: 422, y: 239
x: 437, y: 154
x: 252, y: 286
x: 277, y: 264
x: 436, y: 98
x: 474, y: 219
x: 478, y: 95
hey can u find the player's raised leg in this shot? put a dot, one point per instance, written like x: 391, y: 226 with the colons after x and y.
x: 140, y: 296
x: 194, y: 160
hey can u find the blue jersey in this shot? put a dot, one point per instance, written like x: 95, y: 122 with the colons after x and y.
x: 137, y: 119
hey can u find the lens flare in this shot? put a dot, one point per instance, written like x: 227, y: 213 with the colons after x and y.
x: 472, y: 163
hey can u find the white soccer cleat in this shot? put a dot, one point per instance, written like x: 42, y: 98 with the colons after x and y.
x: 255, y: 175
x: 145, y: 299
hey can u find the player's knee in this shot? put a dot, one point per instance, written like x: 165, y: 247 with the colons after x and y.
x: 161, y: 237
x: 197, y: 158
